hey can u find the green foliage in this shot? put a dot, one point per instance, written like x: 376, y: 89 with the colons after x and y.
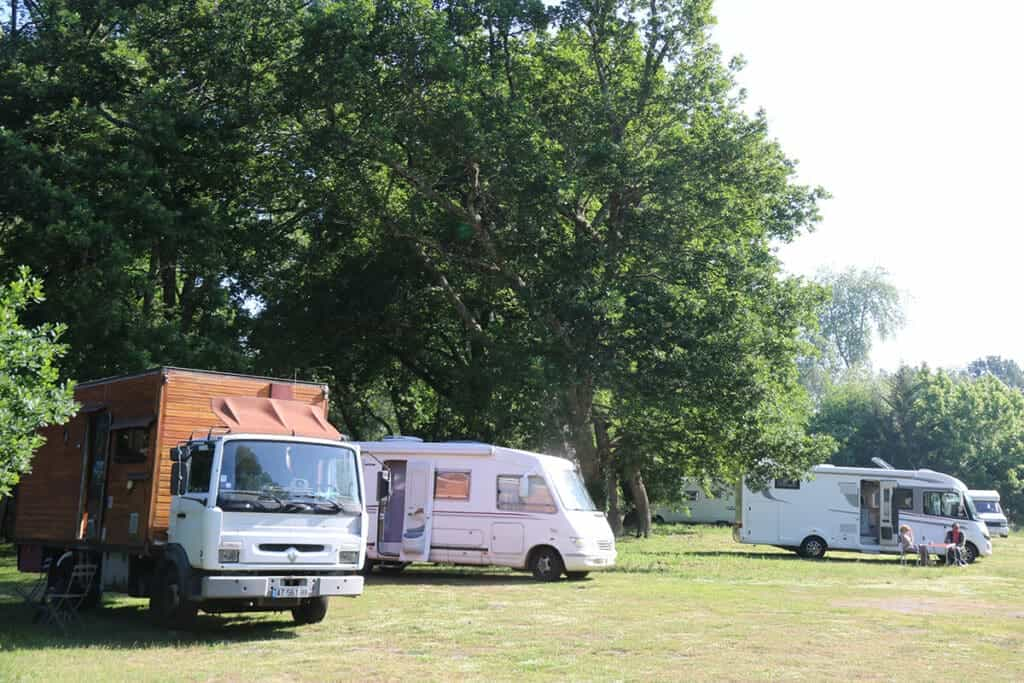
x: 1006, y: 369
x: 970, y: 428
x: 31, y: 393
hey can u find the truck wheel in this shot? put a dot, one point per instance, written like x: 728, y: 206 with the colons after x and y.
x: 546, y: 564
x: 167, y: 604
x: 311, y: 611
x: 970, y: 553
x: 813, y: 548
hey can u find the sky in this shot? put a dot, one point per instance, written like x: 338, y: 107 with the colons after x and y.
x: 909, y: 114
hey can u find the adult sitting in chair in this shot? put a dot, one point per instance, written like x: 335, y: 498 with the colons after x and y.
x: 908, y: 547
x: 955, y: 553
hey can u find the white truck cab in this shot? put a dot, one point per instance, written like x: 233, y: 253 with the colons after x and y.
x: 259, y: 523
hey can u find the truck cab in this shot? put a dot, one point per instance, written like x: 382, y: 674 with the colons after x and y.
x: 260, y: 522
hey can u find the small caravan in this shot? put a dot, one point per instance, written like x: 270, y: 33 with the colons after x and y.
x: 699, y: 507
x: 989, y: 510
x: 858, y: 509
x: 476, y: 504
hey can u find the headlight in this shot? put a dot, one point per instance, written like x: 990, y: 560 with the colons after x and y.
x: 348, y: 556
x: 578, y: 542
x: 228, y: 552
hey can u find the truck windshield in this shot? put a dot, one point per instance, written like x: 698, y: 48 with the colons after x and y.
x: 987, y: 506
x: 282, y: 476
x: 572, y: 492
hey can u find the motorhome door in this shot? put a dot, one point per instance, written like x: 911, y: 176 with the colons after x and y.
x: 887, y: 516
x: 419, y: 510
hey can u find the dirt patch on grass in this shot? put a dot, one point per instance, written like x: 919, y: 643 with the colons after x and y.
x: 910, y: 605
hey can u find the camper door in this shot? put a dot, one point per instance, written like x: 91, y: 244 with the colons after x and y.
x: 419, y: 511
x: 887, y: 515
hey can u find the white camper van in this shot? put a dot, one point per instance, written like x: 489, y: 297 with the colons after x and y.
x: 700, y: 508
x: 987, y: 505
x: 477, y: 504
x: 859, y: 509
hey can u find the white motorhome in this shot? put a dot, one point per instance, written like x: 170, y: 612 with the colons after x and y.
x: 987, y: 505
x: 477, y: 504
x: 858, y: 509
x: 699, y: 507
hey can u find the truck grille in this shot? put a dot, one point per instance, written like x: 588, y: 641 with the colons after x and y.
x: 605, y: 545
x: 281, y: 547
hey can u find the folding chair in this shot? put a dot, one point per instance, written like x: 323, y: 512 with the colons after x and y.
x: 61, y: 602
x: 33, y: 597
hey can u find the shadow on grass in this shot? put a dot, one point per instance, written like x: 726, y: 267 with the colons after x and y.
x: 450, y: 577
x: 120, y: 626
x: 788, y: 557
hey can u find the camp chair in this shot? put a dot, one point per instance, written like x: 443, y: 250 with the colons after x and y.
x: 33, y: 597
x: 63, y: 599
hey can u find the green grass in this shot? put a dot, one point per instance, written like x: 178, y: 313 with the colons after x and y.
x: 686, y: 604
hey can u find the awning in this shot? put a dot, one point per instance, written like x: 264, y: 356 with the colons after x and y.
x: 273, y: 416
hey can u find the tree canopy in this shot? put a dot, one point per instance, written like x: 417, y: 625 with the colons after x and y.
x: 31, y: 393
x: 546, y: 224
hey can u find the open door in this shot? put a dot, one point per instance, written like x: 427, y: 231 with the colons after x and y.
x: 94, y: 474
x: 419, y: 511
x: 887, y: 535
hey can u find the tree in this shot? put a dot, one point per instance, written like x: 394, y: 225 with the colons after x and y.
x: 861, y: 304
x: 1005, y: 369
x: 567, y: 217
x: 31, y: 393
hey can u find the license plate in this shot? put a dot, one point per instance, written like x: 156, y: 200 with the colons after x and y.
x: 290, y: 592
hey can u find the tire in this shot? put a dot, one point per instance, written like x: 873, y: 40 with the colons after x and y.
x: 813, y: 548
x: 577, y: 576
x: 546, y: 564
x: 368, y: 566
x: 311, y: 611
x: 167, y: 604
x: 658, y: 519
x: 970, y: 553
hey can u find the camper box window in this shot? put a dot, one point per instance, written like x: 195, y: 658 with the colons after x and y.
x: 131, y: 445
x: 537, y: 500
x: 787, y: 483
x: 904, y: 499
x: 451, y: 485
x: 689, y: 495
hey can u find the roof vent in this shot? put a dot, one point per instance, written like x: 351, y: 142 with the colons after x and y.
x: 881, y: 463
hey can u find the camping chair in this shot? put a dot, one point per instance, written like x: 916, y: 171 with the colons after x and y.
x: 33, y: 597
x: 63, y: 599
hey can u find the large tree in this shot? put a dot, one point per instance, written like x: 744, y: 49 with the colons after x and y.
x: 31, y: 393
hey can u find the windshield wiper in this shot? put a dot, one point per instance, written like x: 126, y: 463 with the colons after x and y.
x: 346, y: 507
x: 264, y: 495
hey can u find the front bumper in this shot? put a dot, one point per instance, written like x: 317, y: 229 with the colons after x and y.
x: 589, y: 562
x: 284, y: 587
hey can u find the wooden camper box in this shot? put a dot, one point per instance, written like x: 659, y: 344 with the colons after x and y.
x: 130, y: 423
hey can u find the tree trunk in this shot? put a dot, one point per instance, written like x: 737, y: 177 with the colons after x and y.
x: 579, y: 401
x: 611, y: 486
x: 643, y: 505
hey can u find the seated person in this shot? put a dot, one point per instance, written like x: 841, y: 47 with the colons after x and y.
x: 955, y: 554
x: 907, y: 545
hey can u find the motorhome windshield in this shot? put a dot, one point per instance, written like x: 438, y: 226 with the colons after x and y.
x: 282, y: 476
x: 987, y: 506
x: 572, y: 492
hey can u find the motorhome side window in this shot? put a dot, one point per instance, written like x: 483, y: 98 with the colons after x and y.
x: 538, y: 499
x: 904, y: 499
x: 689, y: 495
x: 943, y: 504
x: 451, y: 486
x: 199, y: 467
x: 131, y: 445
x: 787, y: 483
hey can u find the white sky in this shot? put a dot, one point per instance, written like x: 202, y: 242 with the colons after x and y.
x: 909, y: 114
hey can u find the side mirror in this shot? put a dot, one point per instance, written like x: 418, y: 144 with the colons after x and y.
x: 383, y: 485
x: 179, y: 454
x: 524, y: 487
x: 179, y: 473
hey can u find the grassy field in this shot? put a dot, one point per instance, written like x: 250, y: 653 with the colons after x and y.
x: 686, y: 604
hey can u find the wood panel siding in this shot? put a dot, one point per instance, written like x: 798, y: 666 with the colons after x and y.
x: 50, y: 497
